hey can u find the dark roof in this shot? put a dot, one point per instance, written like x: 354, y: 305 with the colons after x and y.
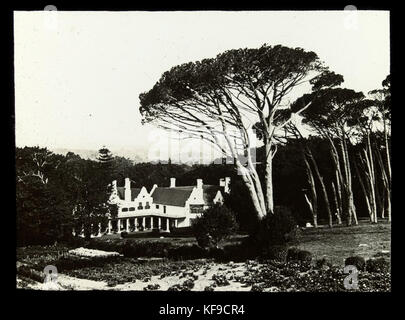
x: 134, y: 192
x: 176, y: 196
x: 209, y: 193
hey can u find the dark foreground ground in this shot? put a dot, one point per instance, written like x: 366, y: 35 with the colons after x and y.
x: 329, y: 247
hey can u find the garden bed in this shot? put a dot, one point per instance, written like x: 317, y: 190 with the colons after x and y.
x: 207, y: 275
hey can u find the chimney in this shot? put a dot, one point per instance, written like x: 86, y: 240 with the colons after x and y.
x: 114, y: 191
x: 127, y: 196
x: 222, y: 182
x: 225, y: 182
x: 199, y: 183
x: 172, y: 182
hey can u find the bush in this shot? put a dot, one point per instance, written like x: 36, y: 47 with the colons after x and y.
x: 152, y: 287
x: 134, y: 248
x: 379, y: 265
x: 277, y: 229
x: 181, y: 232
x: 238, y: 252
x: 217, y: 254
x: 106, y: 244
x: 322, y: 263
x: 124, y: 234
x: 356, y: 261
x: 277, y: 253
x: 295, y: 254
x: 187, y: 252
x: 215, y: 224
x: 30, y: 273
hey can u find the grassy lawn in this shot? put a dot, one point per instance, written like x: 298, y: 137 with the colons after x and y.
x: 340, y: 242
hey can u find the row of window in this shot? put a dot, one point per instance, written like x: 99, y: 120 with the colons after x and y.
x: 140, y: 207
x: 193, y: 208
x: 196, y: 208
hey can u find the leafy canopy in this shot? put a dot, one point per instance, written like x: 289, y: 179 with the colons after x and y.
x: 226, y: 87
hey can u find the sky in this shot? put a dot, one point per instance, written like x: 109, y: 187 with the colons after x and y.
x: 78, y: 75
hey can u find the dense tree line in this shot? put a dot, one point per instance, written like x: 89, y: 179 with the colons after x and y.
x: 57, y: 194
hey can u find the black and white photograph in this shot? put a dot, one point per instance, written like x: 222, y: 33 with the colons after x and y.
x: 203, y: 150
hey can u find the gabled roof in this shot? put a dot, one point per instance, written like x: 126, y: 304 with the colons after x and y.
x: 209, y: 193
x: 176, y: 196
x: 134, y: 193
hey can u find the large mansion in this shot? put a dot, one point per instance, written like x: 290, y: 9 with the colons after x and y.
x: 162, y: 208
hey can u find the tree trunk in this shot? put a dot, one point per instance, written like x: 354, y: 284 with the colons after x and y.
x: 338, y: 207
x: 368, y: 159
x: 387, y: 150
x: 313, y: 206
x: 268, y: 178
x: 386, y: 184
x: 339, y: 198
x: 373, y: 182
x: 363, y: 188
x: 87, y: 231
x: 340, y: 182
x: 247, y: 179
x: 389, y: 177
x: 348, y: 182
x: 325, y: 193
x: 379, y: 198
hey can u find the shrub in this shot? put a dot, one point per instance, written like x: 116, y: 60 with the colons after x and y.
x: 215, y: 224
x: 274, y: 230
x: 378, y: 265
x: 140, y: 248
x: 277, y: 253
x: 322, y: 263
x: 124, y: 234
x: 238, y: 252
x: 106, y: 244
x: 295, y: 254
x: 304, y: 256
x: 186, y: 286
x: 217, y: 254
x: 189, y: 283
x: 257, y: 288
x: 356, y: 261
x: 152, y: 287
x: 187, y: 252
x: 181, y: 232
x: 220, y: 280
x: 30, y: 273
